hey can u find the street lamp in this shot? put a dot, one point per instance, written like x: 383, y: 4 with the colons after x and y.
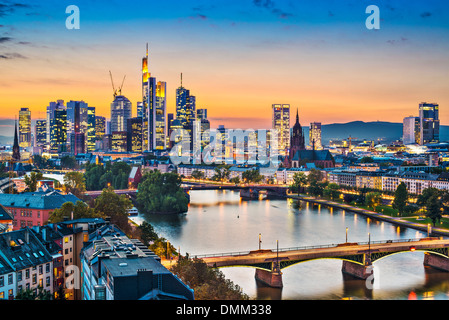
x: 346, y: 234
x: 369, y: 243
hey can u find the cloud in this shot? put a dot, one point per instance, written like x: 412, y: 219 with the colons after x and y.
x: 426, y: 14
x: 9, y: 8
x: 394, y: 42
x: 14, y: 55
x: 5, y: 39
x: 199, y: 16
x: 270, y: 6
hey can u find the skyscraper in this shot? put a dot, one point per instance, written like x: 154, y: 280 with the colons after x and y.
x: 315, y: 136
x: 411, y: 130
x: 429, y: 123
x: 185, y: 106
x: 100, y: 127
x: 281, y: 125
x: 120, y: 113
x: 91, y: 127
x: 135, y: 131
x: 143, y: 110
x: 40, y: 129
x: 24, y: 127
x: 77, y: 126
x: 58, y: 131
x: 160, y: 127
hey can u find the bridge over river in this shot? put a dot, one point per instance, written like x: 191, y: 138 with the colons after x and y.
x: 357, y: 257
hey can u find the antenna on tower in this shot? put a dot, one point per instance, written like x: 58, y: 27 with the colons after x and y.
x: 181, y: 79
x: 147, y: 49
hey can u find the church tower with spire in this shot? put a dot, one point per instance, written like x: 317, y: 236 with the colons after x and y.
x: 16, y: 148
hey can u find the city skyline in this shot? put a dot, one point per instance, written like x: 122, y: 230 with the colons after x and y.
x: 261, y: 52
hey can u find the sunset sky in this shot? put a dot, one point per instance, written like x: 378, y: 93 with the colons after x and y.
x: 237, y: 57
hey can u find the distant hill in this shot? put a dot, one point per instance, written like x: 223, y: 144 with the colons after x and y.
x: 359, y: 130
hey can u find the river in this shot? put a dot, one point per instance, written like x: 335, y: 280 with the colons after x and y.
x: 220, y: 222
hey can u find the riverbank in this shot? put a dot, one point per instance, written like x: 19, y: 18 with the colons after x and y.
x: 435, y: 231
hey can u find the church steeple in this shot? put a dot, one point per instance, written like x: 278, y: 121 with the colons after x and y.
x: 16, y: 148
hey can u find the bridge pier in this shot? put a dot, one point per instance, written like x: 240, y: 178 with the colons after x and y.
x: 361, y: 271
x: 436, y: 261
x: 270, y: 278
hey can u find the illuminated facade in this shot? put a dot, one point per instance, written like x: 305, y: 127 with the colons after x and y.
x: 315, y: 136
x: 135, y: 131
x: 160, y: 127
x: 58, y: 131
x: 281, y: 124
x: 40, y: 130
x: 429, y: 123
x: 91, y: 127
x: 119, y: 141
x: 411, y: 130
x: 144, y: 109
x: 24, y: 128
x: 100, y: 127
x: 120, y: 113
x: 77, y: 126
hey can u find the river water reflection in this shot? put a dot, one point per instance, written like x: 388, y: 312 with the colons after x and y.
x: 220, y: 222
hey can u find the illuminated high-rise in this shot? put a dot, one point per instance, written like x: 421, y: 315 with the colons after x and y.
x: 160, y: 126
x: 411, y: 130
x: 91, y: 127
x: 315, y: 136
x: 40, y: 132
x: 24, y: 128
x: 100, y: 127
x: 281, y: 126
x: 185, y: 106
x: 146, y: 100
x: 429, y: 123
x: 120, y: 113
x: 135, y: 130
x: 77, y: 126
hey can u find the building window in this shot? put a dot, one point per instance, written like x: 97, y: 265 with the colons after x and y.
x: 2, y: 281
x: 19, y: 276
x: 41, y: 269
x: 47, y: 281
x: 47, y: 268
x: 9, y: 278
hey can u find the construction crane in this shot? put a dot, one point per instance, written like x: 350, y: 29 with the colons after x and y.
x: 118, y: 91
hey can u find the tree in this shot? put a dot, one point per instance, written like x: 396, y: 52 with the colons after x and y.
x: 147, y: 234
x: 433, y: 206
x: 73, y: 211
x: 222, y: 173
x: 332, y: 191
x: 252, y: 176
x: 400, y: 197
x: 208, y: 283
x: 31, y: 180
x: 235, y: 180
x: 196, y: 174
x: 373, y: 199
x: 114, y: 206
x: 68, y: 162
x: 163, y: 248
x: 316, y: 185
x: 161, y: 193
x: 74, y: 183
x: 299, y: 180
x: 426, y: 194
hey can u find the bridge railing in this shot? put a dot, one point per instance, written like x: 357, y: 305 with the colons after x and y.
x: 241, y: 253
